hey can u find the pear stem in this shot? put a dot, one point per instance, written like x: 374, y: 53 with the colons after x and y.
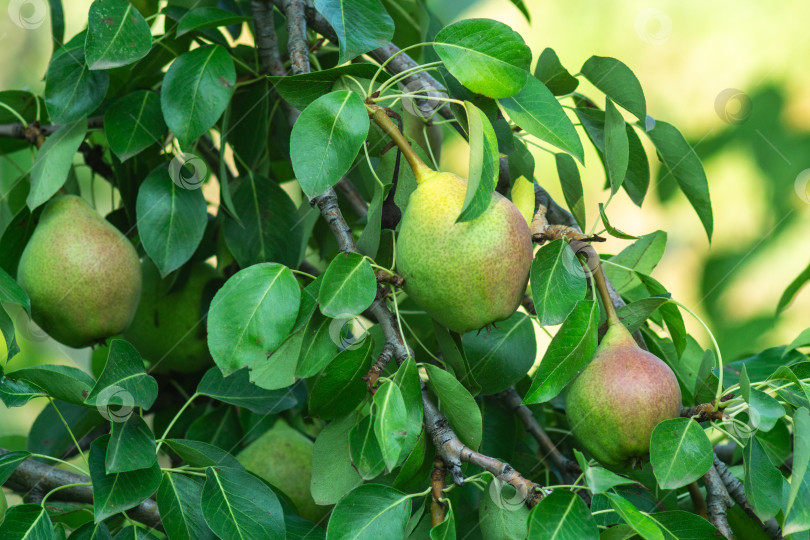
x: 420, y: 169
x: 601, y: 284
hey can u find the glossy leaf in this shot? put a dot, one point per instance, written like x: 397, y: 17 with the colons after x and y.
x: 360, y: 25
x: 562, y: 515
x: 617, y: 147
x: 171, y: 220
x: 251, y: 315
x: 302, y: 89
x: 332, y: 472
x: 680, y: 452
x: 322, y: 339
x: 178, y: 499
x: 365, y: 450
x: 201, y: 454
x: 207, y: 17
x: 535, y: 109
x: 72, y: 91
x: 457, y: 405
x: 502, y: 513
x: 124, y: 382
x: 642, y: 256
x: 236, y: 389
x: 17, y: 393
x: 196, y: 90
x: 370, y: 512
x: 796, y: 511
x: 11, y: 292
x: 483, y: 169
x: 618, y: 82
x: 551, y: 73
x: 558, y: 282
x: 642, y: 524
x: 635, y: 313
x: 9, y: 463
x: 236, y: 504
x: 410, y: 385
x: 340, y: 388
x: 454, y: 355
x: 763, y: 481
x: 486, y: 56
x: 572, y: 187
x: 117, y: 35
x: 134, y: 123
x: 131, y: 446
x: 27, y: 522
x: 446, y: 530
x: 792, y: 289
x: 348, y: 287
x: 390, y: 422
x: 66, y: 383
x: 53, y: 162
x: 571, y: 348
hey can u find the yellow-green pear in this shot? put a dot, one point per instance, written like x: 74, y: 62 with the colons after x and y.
x: 81, y: 273
x: 169, y: 328
x: 465, y: 275
x: 283, y: 457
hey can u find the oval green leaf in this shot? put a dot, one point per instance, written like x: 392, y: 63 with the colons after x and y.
x: 117, y: 35
x: 558, y: 282
x: 348, y: 287
x: 680, y: 452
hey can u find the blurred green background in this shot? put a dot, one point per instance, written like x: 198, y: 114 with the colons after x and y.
x: 731, y: 76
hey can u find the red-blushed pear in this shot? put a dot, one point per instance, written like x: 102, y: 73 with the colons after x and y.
x: 618, y: 399
x: 82, y: 275
x: 465, y: 275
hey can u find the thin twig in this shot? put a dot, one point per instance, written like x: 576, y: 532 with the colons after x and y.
x: 698, y: 502
x: 437, y: 507
x: 352, y: 195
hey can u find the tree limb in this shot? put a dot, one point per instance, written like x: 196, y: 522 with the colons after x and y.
x: 736, y: 489
x: 33, y: 476
x: 264, y: 32
x: 717, y: 502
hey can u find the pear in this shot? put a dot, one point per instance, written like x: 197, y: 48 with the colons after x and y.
x: 81, y: 273
x: 465, y: 275
x: 283, y: 457
x: 617, y: 400
x: 169, y: 327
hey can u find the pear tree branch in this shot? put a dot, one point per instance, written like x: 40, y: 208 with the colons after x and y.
x: 717, y: 502
x: 437, y: 507
x: 737, y: 491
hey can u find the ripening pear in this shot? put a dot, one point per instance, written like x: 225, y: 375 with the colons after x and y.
x: 618, y: 399
x: 169, y: 327
x: 283, y: 457
x: 82, y: 275
x: 465, y: 275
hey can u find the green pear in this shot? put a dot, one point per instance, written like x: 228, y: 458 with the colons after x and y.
x: 618, y: 399
x: 283, y: 457
x: 81, y: 273
x: 169, y: 327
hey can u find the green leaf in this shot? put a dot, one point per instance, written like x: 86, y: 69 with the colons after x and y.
x: 123, y: 384
x: 17, y: 394
x: 677, y: 524
x: 599, y: 479
x: 207, y: 17
x: 763, y: 481
x: 536, y: 110
x: 457, y: 405
x: 617, y: 147
x: 502, y: 513
x: 178, y: 499
x: 332, y: 472
x: 637, y: 179
x: 49, y: 433
x: 27, y: 522
x: 680, y: 452
x: 410, y: 385
x: 196, y: 90
x: 613, y: 231
x: 365, y: 450
x: 642, y: 256
x: 116, y: 492
x: 201, y: 454
x: 326, y: 138
x: 11, y: 292
x: 562, y: 515
x: 302, y: 89
x: 568, y: 353
x: 348, y: 287
x: 9, y: 463
x: 270, y: 228
x: 572, y: 187
x: 134, y: 123
x: 340, y: 388
x: 486, y: 56
x: 237, y: 390
x: 171, y: 220
x: 763, y: 410
x: 131, y: 446
x: 551, y: 72
x: 66, y: 383
x: 558, y: 282
x: 92, y: 531
x: 680, y: 161
x: 53, y: 162
x: 390, y: 422
x: 635, y: 313
x: 525, y: 11
x: 643, y: 525
x: 503, y: 356
x: 322, y: 337
x: 617, y: 82
x: 72, y: 91
x: 117, y: 35
x: 360, y: 25
x: 797, y: 513
x: 446, y: 530
x: 454, y: 355
x: 370, y: 512
x: 236, y: 504
x: 792, y: 289
x: 483, y: 169
x: 251, y: 315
